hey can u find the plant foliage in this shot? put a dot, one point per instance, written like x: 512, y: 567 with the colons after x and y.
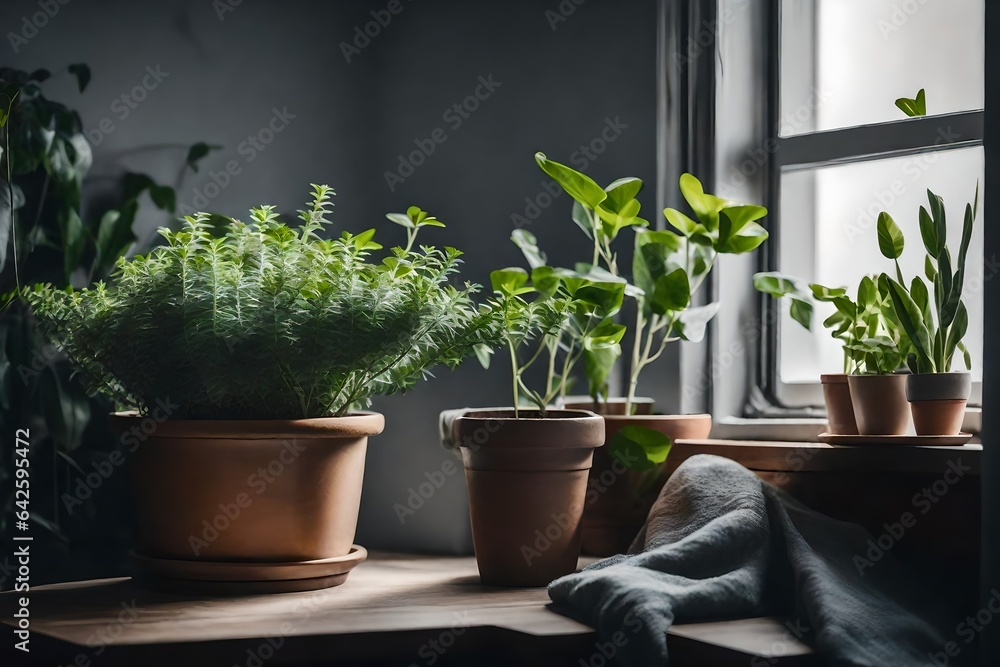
x: 267, y: 321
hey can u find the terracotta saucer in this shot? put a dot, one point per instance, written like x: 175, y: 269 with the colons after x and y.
x: 910, y: 440
x: 249, y: 577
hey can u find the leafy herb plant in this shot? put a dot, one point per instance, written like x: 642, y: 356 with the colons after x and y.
x: 267, y: 321
x: 555, y: 311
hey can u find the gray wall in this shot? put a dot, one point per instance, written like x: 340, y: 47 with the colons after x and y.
x: 227, y: 72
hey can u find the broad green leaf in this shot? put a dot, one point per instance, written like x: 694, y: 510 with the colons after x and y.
x: 578, y: 186
x: 639, y: 448
x: 913, y: 107
x: 867, y: 294
x: 705, y: 206
x: 652, y: 259
x: 509, y: 281
x: 748, y: 239
x: 528, y: 244
x: 693, y: 322
x: 622, y: 191
x: 605, y: 298
x: 732, y: 219
x: 890, y: 237
x: 671, y: 292
x: 682, y: 223
x: 779, y: 285
x: 822, y: 293
x: 598, y: 363
x: 401, y: 219
x: 801, y: 312
x: 114, y: 235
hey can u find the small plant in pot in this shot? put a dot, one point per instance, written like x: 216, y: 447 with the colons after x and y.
x: 851, y: 324
x: 932, y: 316
x: 668, y: 269
x: 527, y: 468
x: 247, y: 353
x: 873, y: 351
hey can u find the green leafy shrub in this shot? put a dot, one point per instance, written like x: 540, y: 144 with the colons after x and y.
x: 268, y: 322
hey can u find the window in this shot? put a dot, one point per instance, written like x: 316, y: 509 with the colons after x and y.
x: 843, y: 152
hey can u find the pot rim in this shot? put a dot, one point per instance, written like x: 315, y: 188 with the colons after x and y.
x: 567, y: 429
x: 362, y: 423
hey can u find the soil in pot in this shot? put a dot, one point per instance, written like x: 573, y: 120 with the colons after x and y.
x: 880, y: 405
x: 250, y: 490
x: 937, y: 401
x: 619, y: 498
x: 527, y: 481
x: 839, y: 407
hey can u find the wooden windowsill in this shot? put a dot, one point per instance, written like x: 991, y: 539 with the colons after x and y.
x: 388, y: 612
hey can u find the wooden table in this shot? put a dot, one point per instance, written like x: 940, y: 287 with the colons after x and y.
x: 393, y: 610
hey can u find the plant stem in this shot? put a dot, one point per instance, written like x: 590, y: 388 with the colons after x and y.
x: 514, y: 373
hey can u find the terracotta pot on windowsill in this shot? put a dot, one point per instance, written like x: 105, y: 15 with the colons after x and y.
x: 839, y: 407
x: 527, y: 478
x: 938, y: 400
x: 618, y: 498
x: 248, y: 492
x: 880, y: 405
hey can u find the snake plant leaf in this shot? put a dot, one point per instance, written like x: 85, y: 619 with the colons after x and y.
x: 959, y: 327
x: 911, y: 320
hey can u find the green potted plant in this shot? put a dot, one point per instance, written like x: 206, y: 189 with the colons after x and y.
x: 246, y: 353
x: 668, y: 269
x: 933, y: 317
x: 865, y: 336
x: 527, y: 468
x: 873, y: 351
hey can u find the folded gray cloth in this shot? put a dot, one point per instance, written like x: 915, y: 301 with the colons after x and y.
x: 719, y: 543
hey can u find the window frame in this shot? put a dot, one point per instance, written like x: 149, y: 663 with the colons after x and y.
x: 850, y: 145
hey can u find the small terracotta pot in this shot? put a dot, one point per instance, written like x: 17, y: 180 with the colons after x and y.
x: 527, y: 481
x: 619, y: 498
x: 938, y: 400
x: 839, y: 408
x: 880, y: 405
x: 249, y: 490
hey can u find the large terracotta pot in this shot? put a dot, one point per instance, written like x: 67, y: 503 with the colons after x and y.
x: 937, y: 401
x: 880, y: 405
x: 249, y: 490
x: 527, y: 481
x: 839, y: 408
x: 619, y: 498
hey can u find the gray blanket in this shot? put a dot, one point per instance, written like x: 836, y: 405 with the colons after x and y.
x: 719, y: 543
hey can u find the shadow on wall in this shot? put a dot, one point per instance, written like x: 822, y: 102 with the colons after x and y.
x: 438, y: 103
